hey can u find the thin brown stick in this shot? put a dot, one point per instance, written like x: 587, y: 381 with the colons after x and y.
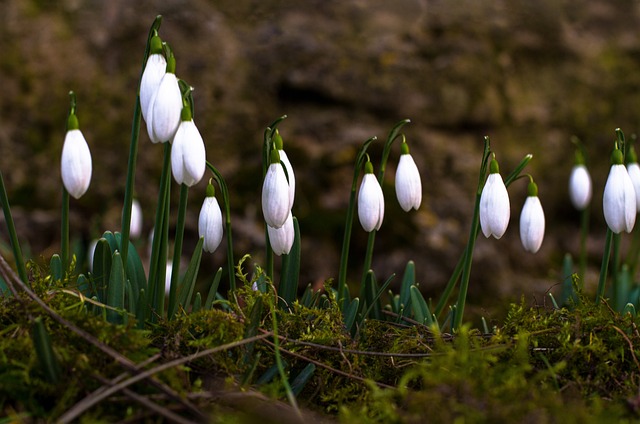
x: 624, y: 336
x: 12, y: 278
x: 95, y: 397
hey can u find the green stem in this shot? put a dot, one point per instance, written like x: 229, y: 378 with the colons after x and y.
x: 605, y: 266
x: 584, y: 232
x: 133, y: 153
x: 64, y: 231
x: 13, y: 235
x: 616, y: 266
x: 177, y: 248
x: 159, y: 249
x: 348, y: 226
x: 227, y: 210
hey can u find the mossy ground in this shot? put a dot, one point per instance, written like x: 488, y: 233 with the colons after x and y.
x: 576, y: 364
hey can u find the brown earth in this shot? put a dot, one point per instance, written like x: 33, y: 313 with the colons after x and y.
x: 528, y: 74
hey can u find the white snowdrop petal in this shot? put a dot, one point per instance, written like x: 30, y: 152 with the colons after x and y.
x: 188, y: 156
x: 634, y: 173
x: 495, y: 209
x: 210, y: 224
x: 292, y: 178
x: 275, y: 196
x: 154, y: 70
x: 135, y: 228
x: 75, y: 164
x: 164, y: 110
x: 580, y: 187
x: 408, y: 183
x: 370, y: 203
x: 532, y: 224
x: 281, y: 239
x: 619, y: 200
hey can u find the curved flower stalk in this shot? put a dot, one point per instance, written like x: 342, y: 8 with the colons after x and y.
x: 136, y: 220
x: 275, y: 193
x: 210, y: 221
x: 532, y: 220
x: 370, y: 201
x: 154, y: 70
x: 494, y: 204
x: 281, y: 239
x: 619, y: 199
x: 165, y: 107
x: 408, y: 183
x: 188, y: 156
x: 75, y: 164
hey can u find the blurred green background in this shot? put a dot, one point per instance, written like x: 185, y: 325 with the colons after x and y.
x: 528, y: 74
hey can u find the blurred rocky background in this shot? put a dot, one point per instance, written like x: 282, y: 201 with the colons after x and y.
x: 528, y: 74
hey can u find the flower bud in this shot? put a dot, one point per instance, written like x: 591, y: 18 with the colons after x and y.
x: 210, y: 221
x: 275, y: 193
x: 619, y: 198
x: 408, y: 183
x: 188, y: 156
x: 154, y: 70
x: 370, y: 201
x: 495, y: 209
x: 75, y: 163
x: 281, y: 239
x: 532, y: 221
x: 165, y: 107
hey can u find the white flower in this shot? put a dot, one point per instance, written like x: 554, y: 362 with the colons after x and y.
x: 210, y: 222
x: 154, y: 70
x: 532, y: 221
x: 634, y: 173
x: 135, y: 228
x: 188, y: 159
x: 370, y: 201
x: 408, y: 184
x: 580, y: 187
x: 292, y: 178
x: 495, y: 209
x: 167, y: 277
x: 75, y: 164
x: 619, y: 199
x: 163, y: 114
x: 275, y: 193
x: 281, y: 239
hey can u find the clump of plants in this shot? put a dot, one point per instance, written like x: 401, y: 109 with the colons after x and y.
x: 119, y: 339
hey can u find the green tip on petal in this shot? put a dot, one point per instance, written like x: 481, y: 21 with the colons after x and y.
x: 404, y: 148
x: 579, y: 158
x: 616, y: 157
x: 493, y: 167
x: 72, y: 122
x: 171, y: 64
x: 277, y: 140
x: 631, y: 154
x: 185, y: 115
x: 368, y: 168
x: 155, y: 45
x: 532, y: 189
x: 275, y: 156
x: 211, y: 190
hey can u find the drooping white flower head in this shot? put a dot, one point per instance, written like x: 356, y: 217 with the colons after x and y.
x: 580, y: 188
x: 634, y: 173
x: 277, y: 140
x: 619, y: 199
x: 75, y: 162
x: 210, y: 221
x: 135, y: 228
x: 370, y: 201
x: 532, y: 221
x: 408, y: 183
x: 495, y: 209
x: 275, y: 193
x: 188, y: 156
x: 165, y: 107
x: 281, y: 239
x: 167, y: 276
x: 154, y: 70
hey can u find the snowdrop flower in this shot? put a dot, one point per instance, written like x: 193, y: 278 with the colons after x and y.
x: 165, y: 107
x: 495, y: 209
x: 634, y: 173
x: 167, y: 277
x: 281, y: 239
x: 188, y: 159
x: 75, y: 164
x: 580, y: 184
x: 619, y: 199
x: 135, y: 228
x: 287, y: 166
x: 532, y: 220
x: 370, y: 201
x: 275, y: 193
x: 408, y: 184
x: 210, y: 221
x: 154, y: 70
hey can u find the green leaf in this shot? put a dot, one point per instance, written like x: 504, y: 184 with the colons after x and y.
x: 189, y: 279
x: 302, y: 378
x: 255, y: 318
x: 288, y: 289
x: 213, y: 289
x: 115, y: 291
x: 408, y: 280
x: 101, y: 268
x: 197, y: 303
x: 421, y: 311
x: 56, y: 267
x: 350, y: 315
x: 44, y: 351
